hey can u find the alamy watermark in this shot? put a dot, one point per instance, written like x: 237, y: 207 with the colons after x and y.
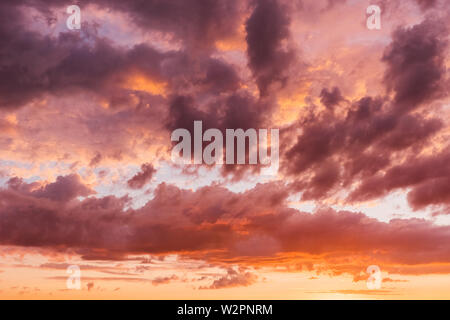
x: 73, y: 22
x: 375, y: 278
x: 235, y: 147
x: 74, y: 280
x: 374, y: 20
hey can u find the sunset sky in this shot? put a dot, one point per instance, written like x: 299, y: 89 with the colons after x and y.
x: 87, y: 178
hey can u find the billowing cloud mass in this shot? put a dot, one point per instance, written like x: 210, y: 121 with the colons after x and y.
x: 416, y: 63
x: 254, y: 223
x: 86, y: 118
x: 374, y: 129
x: 266, y: 28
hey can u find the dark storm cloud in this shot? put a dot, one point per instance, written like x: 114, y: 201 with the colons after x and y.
x: 363, y: 139
x: 221, y: 77
x: 62, y: 190
x: 415, y: 61
x: 325, y: 178
x: 330, y: 98
x: 372, y: 131
x: 427, y: 176
x: 32, y: 64
x: 20, y: 74
x: 267, y: 28
x: 197, y: 23
x: 214, y: 224
x: 363, y: 142
x: 239, y: 110
x: 199, y: 74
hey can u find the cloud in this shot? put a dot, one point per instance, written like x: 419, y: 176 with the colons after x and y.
x: 267, y: 28
x: 330, y: 98
x: 232, y: 279
x: 415, y: 62
x: 143, y: 177
x: 199, y: 24
x: 51, y: 64
x: 332, y: 148
x: 432, y: 192
x: 427, y: 176
x: 352, y: 135
x: 353, y: 148
x: 164, y: 280
x: 216, y: 225
x: 63, y: 189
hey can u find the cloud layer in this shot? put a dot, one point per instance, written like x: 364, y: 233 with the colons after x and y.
x: 86, y: 118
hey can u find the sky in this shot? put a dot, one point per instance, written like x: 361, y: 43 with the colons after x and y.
x: 88, y: 181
